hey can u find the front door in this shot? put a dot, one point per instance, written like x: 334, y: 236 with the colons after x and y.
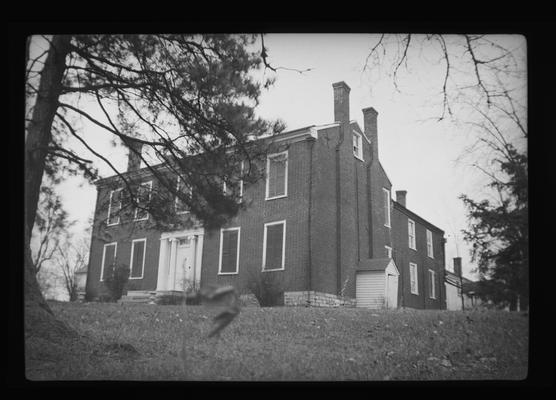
x: 184, y: 264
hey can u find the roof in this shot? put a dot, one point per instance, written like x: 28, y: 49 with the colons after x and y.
x: 407, y: 211
x: 454, y: 280
x: 374, y: 264
x: 285, y: 135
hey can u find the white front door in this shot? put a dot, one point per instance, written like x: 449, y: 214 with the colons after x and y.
x: 185, y: 253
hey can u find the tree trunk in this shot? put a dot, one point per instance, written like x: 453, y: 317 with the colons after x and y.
x: 37, y: 312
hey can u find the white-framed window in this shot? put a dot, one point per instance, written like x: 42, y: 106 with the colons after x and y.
x: 413, y: 279
x: 228, y: 263
x: 179, y: 205
x: 227, y: 188
x: 277, y: 176
x: 432, y: 284
x: 137, y: 260
x: 386, y: 202
x: 411, y: 234
x: 388, y: 251
x: 430, y: 250
x: 144, y: 193
x: 114, y: 207
x: 357, y: 145
x: 274, y: 246
x: 108, y: 257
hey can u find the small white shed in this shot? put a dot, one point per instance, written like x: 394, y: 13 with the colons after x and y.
x: 376, y: 283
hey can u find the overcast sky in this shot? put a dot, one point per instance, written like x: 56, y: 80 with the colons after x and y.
x: 418, y: 153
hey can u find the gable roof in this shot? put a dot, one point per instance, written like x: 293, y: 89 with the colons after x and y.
x: 375, y: 264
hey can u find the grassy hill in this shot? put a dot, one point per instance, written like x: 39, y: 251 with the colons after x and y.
x: 151, y: 342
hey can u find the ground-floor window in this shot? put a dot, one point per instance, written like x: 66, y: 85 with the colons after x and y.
x: 108, y: 257
x: 432, y: 284
x: 274, y: 245
x: 137, y: 261
x: 414, y: 283
x: 229, y: 251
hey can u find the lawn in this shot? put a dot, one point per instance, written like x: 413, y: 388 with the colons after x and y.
x: 153, y: 342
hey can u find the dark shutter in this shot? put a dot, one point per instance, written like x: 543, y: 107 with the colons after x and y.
x: 138, y: 252
x: 229, y: 251
x: 274, y: 239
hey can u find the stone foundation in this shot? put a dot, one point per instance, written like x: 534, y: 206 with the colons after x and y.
x: 316, y: 299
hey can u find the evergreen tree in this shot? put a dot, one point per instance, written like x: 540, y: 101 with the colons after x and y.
x: 178, y: 95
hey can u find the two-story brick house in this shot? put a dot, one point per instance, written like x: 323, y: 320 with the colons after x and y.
x: 322, y: 223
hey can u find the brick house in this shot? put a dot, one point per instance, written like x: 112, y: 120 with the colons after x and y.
x: 322, y: 224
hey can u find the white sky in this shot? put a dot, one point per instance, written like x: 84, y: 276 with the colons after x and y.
x: 418, y: 154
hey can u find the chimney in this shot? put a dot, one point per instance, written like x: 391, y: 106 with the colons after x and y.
x: 457, y: 266
x: 400, y: 196
x: 341, y: 102
x: 134, y: 159
x: 370, y: 129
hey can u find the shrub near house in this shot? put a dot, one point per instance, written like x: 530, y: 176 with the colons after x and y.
x: 322, y: 216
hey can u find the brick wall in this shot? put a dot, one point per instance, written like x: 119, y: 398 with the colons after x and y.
x: 403, y: 255
x: 293, y: 209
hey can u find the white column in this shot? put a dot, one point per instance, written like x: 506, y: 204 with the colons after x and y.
x: 162, y: 280
x: 172, y: 270
x: 198, y: 259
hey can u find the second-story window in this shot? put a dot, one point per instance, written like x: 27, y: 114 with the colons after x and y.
x: 388, y: 251
x: 277, y: 175
x: 386, y: 199
x: 143, y: 199
x: 411, y: 234
x: 357, y: 145
x: 114, y: 207
x: 234, y: 186
x: 430, y: 251
x: 180, y: 206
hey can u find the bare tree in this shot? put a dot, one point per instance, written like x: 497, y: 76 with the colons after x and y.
x: 482, y: 84
x: 51, y: 225
x: 70, y: 259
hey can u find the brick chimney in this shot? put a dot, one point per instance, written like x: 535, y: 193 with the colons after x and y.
x: 370, y: 129
x: 457, y: 266
x: 341, y: 102
x: 134, y: 161
x: 401, y: 196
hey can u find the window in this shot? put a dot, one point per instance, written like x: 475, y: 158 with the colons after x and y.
x: 230, y: 188
x: 388, y: 251
x: 114, y: 207
x: 413, y: 280
x: 274, y: 245
x: 108, y: 258
x: 180, y: 205
x: 229, y: 251
x: 357, y: 146
x: 386, y: 199
x: 137, y: 262
x: 432, y: 284
x: 143, y: 199
x: 277, y: 176
x: 411, y: 230
x: 429, y: 244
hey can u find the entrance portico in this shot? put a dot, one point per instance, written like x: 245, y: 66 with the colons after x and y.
x: 180, y: 260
